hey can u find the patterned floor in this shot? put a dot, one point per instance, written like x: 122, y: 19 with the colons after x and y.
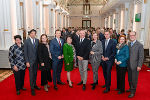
x: 4, y: 73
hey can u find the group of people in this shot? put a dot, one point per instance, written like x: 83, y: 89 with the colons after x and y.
x: 77, y: 48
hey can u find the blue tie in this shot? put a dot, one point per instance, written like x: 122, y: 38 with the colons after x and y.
x: 131, y: 44
x: 34, y: 42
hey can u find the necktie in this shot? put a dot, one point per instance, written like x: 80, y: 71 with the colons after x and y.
x: 34, y: 42
x: 106, y: 44
x: 80, y: 41
x: 59, y: 43
x: 131, y: 44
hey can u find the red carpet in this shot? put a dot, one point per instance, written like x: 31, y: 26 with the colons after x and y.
x: 7, y: 88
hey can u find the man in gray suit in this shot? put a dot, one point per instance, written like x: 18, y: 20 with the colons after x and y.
x: 31, y: 58
x: 135, y: 63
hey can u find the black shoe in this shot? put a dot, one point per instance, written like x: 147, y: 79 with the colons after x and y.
x: 80, y: 83
x: 68, y: 82
x: 106, y: 91
x: 33, y: 92
x: 36, y: 87
x: 84, y: 87
x: 55, y: 87
x: 128, y: 90
x: 103, y: 86
x: 131, y: 95
x: 24, y: 89
x: 70, y: 86
x: 120, y: 92
x: 60, y: 83
x: 95, y: 83
x: 116, y: 89
x: 93, y: 87
x: 18, y: 92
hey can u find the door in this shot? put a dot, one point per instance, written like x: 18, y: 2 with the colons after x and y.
x: 86, y: 23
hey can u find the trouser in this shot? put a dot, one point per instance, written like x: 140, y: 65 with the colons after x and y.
x: 95, y: 67
x: 107, y: 66
x: 117, y: 71
x: 33, y: 75
x: 45, y: 77
x: 57, y: 68
x: 19, y: 79
x: 133, y: 79
x: 83, y: 65
x: 121, y: 78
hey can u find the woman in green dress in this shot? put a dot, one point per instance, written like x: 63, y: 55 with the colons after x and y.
x: 69, y: 55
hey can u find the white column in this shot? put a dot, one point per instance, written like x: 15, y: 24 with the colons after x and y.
x: 52, y: 20
x: 143, y: 16
x: 114, y: 21
x: 36, y: 17
x: 126, y: 18
x: 135, y: 11
x: 122, y: 18
x: 5, y: 27
x: 147, y: 26
x: 111, y: 19
x: 117, y: 20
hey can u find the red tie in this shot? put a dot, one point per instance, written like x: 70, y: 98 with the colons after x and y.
x: 59, y: 43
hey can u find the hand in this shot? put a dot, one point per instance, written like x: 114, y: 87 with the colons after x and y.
x: 106, y: 58
x: 138, y: 69
x: 78, y: 57
x: 59, y: 57
x: 62, y: 56
x: 116, y: 61
x: 42, y: 64
x: 103, y: 58
x: 28, y: 64
x: 15, y: 68
x: 81, y: 58
x: 92, y: 52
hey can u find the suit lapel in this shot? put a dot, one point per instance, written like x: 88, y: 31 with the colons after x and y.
x: 108, y: 44
x: 57, y: 43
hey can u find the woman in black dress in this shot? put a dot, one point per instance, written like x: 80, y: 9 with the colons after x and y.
x: 45, y: 61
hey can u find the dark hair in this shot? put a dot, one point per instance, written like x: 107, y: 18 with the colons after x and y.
x: 57, y: 31
x: 68, y: 36
x: 33, y: 30
x: 42, y: 36
x: 17, y: 36
x: 122, y: 30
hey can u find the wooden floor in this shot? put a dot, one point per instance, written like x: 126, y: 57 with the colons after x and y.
x: 4, y: 73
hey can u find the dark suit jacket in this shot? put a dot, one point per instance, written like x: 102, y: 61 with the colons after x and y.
x: 75, y: 40
x: 55, y: 49
x: 83, y: 49
x: 110, y: 51
x: 43, y: 56
x: 31, y: 52
x: 101, y: 37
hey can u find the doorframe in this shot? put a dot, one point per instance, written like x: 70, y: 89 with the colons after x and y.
x: 86, y: 21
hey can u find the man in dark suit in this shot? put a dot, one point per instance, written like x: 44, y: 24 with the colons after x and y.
x: 31, y: 58
x: 56, y: 49
x: 101, y: 35
x: 135, y: 62
x: 75, y: 40
x: 109, y: 50
x: 83, y: 51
